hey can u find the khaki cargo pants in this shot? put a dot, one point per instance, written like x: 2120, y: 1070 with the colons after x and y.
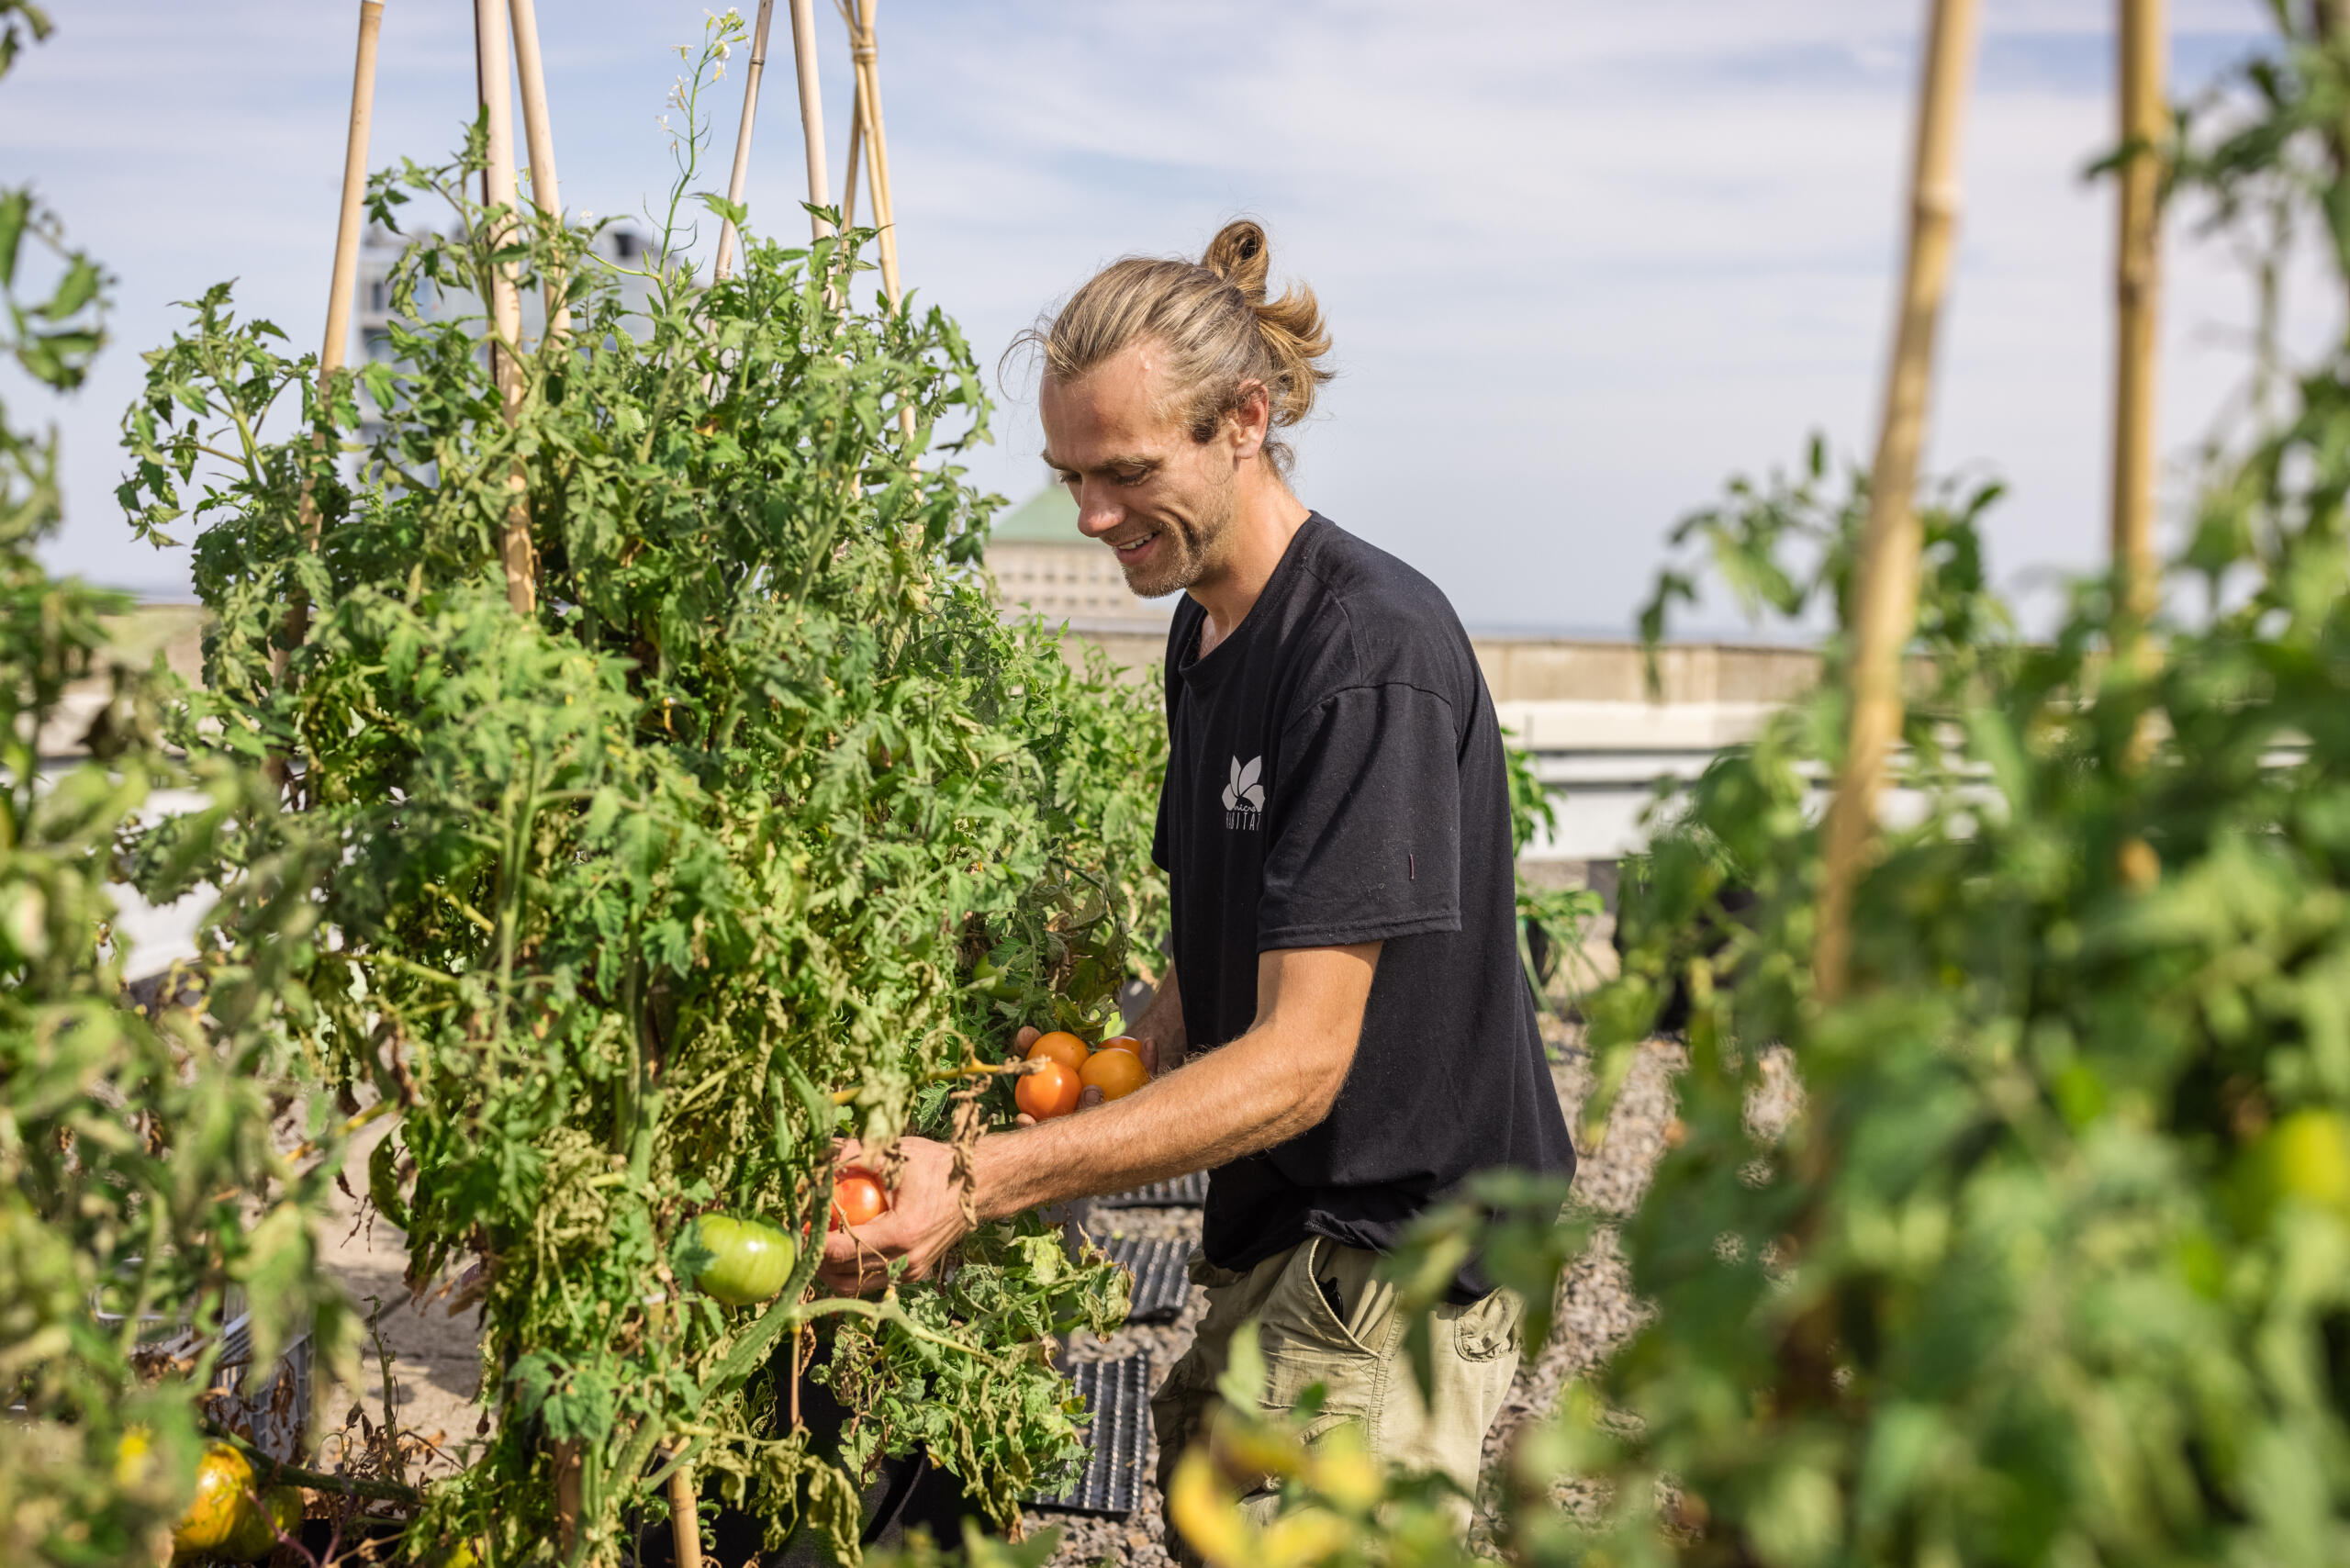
x: 1359, y: 1357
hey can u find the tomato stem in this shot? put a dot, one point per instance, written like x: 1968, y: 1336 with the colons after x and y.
x: 948, y: 1074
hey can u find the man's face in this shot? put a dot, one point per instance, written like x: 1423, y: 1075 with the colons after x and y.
x: 1163, y: 502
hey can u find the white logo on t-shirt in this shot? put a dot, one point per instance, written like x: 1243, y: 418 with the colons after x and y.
x: 1244, y: 796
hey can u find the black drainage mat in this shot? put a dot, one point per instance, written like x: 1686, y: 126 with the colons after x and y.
x: 1119, y: 1393
x: 1162, y: 1276
x: 1183, y: 1192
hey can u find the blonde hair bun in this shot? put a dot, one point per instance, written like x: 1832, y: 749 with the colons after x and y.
x: 1222, y: 335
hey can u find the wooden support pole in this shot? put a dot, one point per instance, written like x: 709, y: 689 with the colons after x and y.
x: 538, y: 136
x: 352, y: 213
x: 1887, y: 593
x: 2137, y: 285
x: 739, y: 180
x: 867, y: 55
x: 856, y: 145
x: 685, y: 1517
x: 495, y: 75
x: 811, y: 111
x: 335, y: 343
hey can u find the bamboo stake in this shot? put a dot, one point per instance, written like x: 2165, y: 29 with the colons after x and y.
x: 2137, y: 283
x: 344, y: 279
x: 495, y: 77
x: 738, y: 180
x: 867, y: 54
x: 864, y: 52
x: 856, y: 144
x: 685, y: 1517
x: 811, y: 111
x: 538, y: 132
x: 1888, y: 586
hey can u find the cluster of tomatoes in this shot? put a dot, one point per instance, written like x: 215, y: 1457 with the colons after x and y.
x: 751, y: 1259
x: 1066, y: 1067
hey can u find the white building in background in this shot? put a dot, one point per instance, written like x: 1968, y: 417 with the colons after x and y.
x: 380, y: 251
x: 1042, y: 564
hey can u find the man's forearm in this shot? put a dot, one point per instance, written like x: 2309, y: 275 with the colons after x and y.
x: 1273, y: 1082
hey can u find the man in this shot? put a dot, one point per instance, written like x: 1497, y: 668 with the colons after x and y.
x: 1345, y: 1032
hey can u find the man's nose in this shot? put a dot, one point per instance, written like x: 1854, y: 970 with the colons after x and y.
x: 1097, y: 514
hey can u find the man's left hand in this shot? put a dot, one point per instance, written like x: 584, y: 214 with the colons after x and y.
x: 924, y: 1219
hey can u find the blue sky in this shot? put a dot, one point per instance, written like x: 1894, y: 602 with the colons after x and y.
x: 1582, y: 259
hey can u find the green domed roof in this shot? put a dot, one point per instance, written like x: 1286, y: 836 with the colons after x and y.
x: 1049, y: 517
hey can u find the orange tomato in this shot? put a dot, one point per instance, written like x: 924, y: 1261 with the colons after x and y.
x: 856, y: 1198
x: 1050, y: 1090
x: 1062, y: 1046
x: 1122, y: 1043
x: 1114, y: 1071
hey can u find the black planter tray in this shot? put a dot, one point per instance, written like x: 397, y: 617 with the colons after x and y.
x: 1119, y: 1394
x: 1183, y: 1192
x: 1162, y: 1279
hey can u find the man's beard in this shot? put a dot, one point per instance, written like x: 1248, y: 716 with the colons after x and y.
x: 1187, y: 551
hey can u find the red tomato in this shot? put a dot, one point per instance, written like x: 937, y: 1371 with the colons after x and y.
x: 1062, y: 1046
x: 1114, y: 1071
x: 856, y: 1198
x: 1050, y: 1090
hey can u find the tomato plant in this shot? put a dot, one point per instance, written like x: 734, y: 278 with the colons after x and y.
x: 142, y: 1190
x: 644, y: 897
x: 2052, y: 1264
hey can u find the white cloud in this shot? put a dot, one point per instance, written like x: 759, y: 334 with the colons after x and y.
x: 1582, y: 260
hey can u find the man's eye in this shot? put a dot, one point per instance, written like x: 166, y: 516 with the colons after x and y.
x: 1133, y: 475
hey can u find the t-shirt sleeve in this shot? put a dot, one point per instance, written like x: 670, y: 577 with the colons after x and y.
x: 1364, y: 818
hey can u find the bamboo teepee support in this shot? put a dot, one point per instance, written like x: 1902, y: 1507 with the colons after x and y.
x: 738, y: 180
x: 1886, y: 595
x: 866, y: 54
x: 344, y: 280
x: 2137, y: 291
x: 494, y: 79
x: 855, y: 146
x: 811, y: 112
x: 538, y: 136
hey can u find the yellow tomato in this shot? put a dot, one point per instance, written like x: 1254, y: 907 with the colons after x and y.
x: 211, y: 1520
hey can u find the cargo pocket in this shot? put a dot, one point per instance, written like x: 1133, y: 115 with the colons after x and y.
x: 1487, y: 1327
x: 1305, y: 1343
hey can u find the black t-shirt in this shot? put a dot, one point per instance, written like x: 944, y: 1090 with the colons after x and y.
x: 1335, y: 774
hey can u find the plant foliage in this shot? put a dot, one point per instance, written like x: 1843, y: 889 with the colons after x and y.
x: 2054, y: 1265
x: 643, y: 898
x: 144, y: 1198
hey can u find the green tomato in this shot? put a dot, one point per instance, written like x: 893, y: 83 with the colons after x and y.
x: 2308, y: 1156
x: 256, y: 1536
x: 994, y: 981
x: 751, y: 1259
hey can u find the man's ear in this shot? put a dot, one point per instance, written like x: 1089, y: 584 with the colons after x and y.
x: 1252, y: 421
